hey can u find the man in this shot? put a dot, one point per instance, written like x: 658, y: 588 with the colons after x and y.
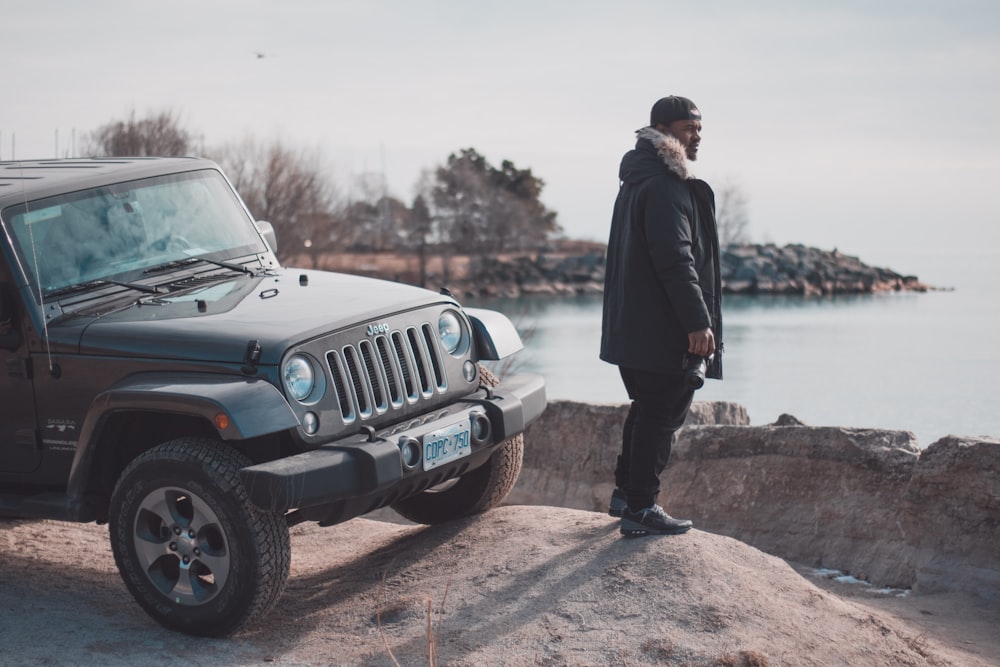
x: 662, y: 304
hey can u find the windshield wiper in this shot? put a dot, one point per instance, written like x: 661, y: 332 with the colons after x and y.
x: 193, y: 260
x: 148, y: 289
x: 176, y: 264
x: 231, y: 267
x: 79, y: 287
x: 91, y: 284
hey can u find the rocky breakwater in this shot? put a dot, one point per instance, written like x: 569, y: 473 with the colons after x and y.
x: 746, y: 269
x: 538, y: 274
x: 868, y: 502
x: 798, y: 269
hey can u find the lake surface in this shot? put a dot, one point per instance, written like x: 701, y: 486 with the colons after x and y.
x: 927, y: 363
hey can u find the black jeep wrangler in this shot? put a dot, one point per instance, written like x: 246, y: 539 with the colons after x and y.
x: 164, y: 374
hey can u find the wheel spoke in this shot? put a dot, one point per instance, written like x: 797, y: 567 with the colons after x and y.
x: 218, y: 566
x: 184, y: 590
x: 202, y: 515
x: 149, y: 551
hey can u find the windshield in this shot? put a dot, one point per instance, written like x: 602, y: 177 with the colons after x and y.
x: 128, y: 227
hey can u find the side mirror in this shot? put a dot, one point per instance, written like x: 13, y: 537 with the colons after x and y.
x: 266, y: 230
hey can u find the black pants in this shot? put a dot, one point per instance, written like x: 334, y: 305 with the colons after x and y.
x: 660, y: 403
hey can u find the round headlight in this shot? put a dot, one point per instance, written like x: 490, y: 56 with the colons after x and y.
x: 298, y: 377
x: 453, y: 336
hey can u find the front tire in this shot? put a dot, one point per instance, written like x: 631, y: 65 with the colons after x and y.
x: 191, y: 548
x: 474, y: 492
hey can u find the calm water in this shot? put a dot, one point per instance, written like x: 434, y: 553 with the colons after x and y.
x: 927, y: 363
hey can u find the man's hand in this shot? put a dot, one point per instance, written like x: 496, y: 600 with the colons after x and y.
x: 701, y: 343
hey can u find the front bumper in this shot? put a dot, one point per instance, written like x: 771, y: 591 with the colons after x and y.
x: 373, y: 466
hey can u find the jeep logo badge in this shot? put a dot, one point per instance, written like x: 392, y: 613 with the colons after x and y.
x: 374, y: 329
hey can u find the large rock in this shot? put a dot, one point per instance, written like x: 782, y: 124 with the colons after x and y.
x: 865, y: 501
x: 574, y: 446
x: 952, y: 517
x: 823, y: 496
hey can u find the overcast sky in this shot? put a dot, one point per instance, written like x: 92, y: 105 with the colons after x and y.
x: 857, y: 125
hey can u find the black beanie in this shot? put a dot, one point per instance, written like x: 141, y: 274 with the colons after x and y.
x: 668, y: 109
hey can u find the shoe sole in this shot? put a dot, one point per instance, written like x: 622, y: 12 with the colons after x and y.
x: 632, y: 529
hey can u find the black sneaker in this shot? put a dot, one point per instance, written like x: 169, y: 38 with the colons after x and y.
x: 652, y: 521
x: 618, y: 503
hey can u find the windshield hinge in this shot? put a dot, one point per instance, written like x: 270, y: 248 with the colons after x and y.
x: 252, y: 357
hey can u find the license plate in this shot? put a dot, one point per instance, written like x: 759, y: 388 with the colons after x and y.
x: 446, y: 445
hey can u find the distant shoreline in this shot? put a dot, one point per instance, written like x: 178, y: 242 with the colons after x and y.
x: 570, y: 268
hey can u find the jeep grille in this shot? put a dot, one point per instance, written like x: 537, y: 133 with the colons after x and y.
x: 386, y: 372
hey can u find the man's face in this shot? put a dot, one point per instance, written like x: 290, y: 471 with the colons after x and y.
x: 688, y: 132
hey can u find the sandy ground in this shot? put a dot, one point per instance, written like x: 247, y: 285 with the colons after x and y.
x: 517, y: 586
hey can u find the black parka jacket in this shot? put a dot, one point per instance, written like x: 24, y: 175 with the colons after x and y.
x: 662, y: 279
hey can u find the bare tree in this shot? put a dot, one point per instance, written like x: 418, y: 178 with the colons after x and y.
x: 156, y: 134
x: 460, y: 205
x: 376, y: 221
x: 288, y: 188
x: 420, y: 230
x: 731, y: 214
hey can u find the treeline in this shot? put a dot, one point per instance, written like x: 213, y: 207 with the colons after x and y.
x: 465, y: 206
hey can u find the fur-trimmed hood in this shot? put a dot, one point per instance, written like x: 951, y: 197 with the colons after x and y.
x: 668, y: 149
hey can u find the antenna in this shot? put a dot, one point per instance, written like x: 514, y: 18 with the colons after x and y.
x: 38, y: 273
x: 386, y: 224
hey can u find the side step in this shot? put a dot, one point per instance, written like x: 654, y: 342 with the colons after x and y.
x: 49, y: 505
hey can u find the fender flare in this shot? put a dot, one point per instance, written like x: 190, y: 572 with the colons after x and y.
x: 253, y: 407
x: 495, y: 335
